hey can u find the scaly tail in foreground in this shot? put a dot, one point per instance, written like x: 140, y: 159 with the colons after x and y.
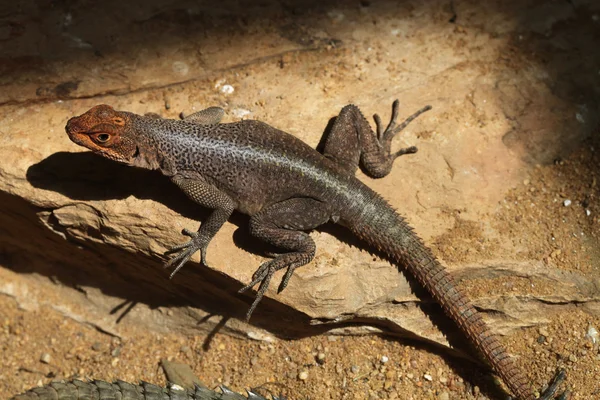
x: 387, y: 231
x: 80, y: 390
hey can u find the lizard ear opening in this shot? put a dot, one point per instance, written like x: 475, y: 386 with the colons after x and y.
x: 118, y: 121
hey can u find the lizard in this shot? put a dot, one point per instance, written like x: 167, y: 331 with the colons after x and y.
x: 182, y: 385
x: 288, y: 188
x: 98, y: 389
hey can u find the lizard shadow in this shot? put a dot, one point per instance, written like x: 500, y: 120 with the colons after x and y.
x: 97, y: 179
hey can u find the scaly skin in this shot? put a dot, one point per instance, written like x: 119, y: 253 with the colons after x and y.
x: 80, y: 390
x: 287, y: 188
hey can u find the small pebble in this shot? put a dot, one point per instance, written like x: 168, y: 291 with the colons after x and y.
x: 573, y: 358
x: 567, y: 203
x: 384, y: 359
x: 588, y: 212
x: 541, y: 339
x: 303, y: 375
x: 45, y: 358
x: 428, y: 377
x: 355, y: 369
x: 227, y: 89
x: 321, y: 358
x: 97, y: 346
x: 116, y: 351
x: 543, y: 332
x: 592, y: 334
x: 444, y: 396
x: 240, y: 112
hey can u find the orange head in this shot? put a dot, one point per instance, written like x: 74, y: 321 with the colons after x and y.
x: 104, y: 131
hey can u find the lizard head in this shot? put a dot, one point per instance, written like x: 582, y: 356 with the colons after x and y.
x: 106, y: 132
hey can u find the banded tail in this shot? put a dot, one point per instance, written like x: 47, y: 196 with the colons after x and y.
x: 386, y: 230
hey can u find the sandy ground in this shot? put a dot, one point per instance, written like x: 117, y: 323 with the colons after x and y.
x: 538, y: 199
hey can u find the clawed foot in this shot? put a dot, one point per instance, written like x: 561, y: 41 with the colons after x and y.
x: 554, y: 384
x: 385, y: 136
x: 186, y: 251
x: 263, y: 276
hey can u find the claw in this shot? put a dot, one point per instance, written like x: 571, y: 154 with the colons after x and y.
x: 257, y: 277
x: 177, y: 248
x: 407, y: 150
x: 264, y: 285
x: 186, y: 251
x: 178, y: 257
x: 263, y: 276
x: 392, y: 125
x: 392, y: 129
x: 185, y: 258
x: 379, y: 126
x: 189, y: 233
x: 408, y: 120
x: 286, y: 278
x: 250, y: 285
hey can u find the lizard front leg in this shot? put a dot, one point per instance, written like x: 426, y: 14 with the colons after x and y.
x: 208, y: 116
x: 281, y: 225
x: 352, y: 141
x: 208, y: 196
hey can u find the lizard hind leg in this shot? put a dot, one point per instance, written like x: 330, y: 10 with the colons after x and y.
x: 282, y: 225
x: 352, y: 141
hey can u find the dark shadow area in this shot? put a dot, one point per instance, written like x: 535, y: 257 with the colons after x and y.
x: 38, y: 39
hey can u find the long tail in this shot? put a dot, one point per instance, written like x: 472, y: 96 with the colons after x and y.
x: 384, y: 229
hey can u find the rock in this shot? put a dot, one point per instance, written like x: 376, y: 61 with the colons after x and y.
x: 321, y: 358
x: 303, y: 375
x: 103, y: 227
x: 181, y: 374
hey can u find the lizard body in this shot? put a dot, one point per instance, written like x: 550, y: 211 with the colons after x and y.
x: 287, y: 187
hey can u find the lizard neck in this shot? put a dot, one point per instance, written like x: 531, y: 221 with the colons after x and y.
x: 150, y: 153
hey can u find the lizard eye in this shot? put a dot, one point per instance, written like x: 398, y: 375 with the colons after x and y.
x: 102, y: 137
